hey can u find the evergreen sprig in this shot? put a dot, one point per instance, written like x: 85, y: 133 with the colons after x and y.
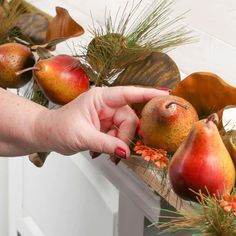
x: 9, y: 13
x: 208, y: 218
x: 131, y: 36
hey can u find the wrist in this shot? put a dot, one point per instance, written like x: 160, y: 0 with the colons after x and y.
x: 43, y: 131
x: 51, y: 132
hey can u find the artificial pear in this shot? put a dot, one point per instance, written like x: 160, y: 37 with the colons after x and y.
x: 15, y: 57
x: 61, y: 78
x: 166, y: 121
x: 202, y: 163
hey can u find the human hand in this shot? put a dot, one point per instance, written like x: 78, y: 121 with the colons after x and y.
x: 99, y: 120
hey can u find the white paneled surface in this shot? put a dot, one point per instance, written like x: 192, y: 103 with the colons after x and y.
x: 62, y: 199
x: 3, y: 197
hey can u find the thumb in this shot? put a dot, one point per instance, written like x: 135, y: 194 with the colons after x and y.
x: 104, y: 143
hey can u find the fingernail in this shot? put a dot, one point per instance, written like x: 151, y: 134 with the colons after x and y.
x: 120, y: 153
x: 94, y: 154
x: 165, y: 89
x: 139, y: 129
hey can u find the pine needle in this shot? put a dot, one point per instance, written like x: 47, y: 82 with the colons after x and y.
x: 209, y: 218
x: 9, y: 13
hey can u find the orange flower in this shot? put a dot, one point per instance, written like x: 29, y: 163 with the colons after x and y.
x: 227, y: 197
x: 157, y: 156
x: 228, y: 203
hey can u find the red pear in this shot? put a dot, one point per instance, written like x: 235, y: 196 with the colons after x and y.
x: 202, y: 163
x: 166, y: 122
x: 61, y: 78
x: 15, y: 57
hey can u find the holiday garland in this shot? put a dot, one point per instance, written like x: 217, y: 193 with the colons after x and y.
x: 125, y: 53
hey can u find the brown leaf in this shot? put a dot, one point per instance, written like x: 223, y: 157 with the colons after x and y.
x: 38, y: 158
x: 229, y: 140
x: 5, y: 5
x: 156, y: 70
x: 62, y: 26
x: 34, y: 26
x: 207, y: 92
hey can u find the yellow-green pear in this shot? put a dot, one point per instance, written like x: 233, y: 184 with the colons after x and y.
x: 166, y: 121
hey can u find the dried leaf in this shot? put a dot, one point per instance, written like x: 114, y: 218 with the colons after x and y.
x: 229, y: 140
x: 157, y: 70
x: 34, y: 26
x: 5, y: 5
x: 207, y: 92
x: 62, y: 26
x: 38, y: 158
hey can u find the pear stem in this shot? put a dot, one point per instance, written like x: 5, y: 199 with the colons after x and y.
x: 214, y: 118
x: 27, y: 69
x: 177, y: 103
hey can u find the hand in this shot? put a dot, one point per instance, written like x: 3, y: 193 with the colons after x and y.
x: 99, y: 120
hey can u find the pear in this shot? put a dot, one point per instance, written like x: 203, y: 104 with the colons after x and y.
x: 61, y: 78
x: 166, y: 121
x: 15, y: 57
x: 202, y: 163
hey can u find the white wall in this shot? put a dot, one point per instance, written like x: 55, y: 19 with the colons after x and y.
x: 3, y: 197
x: 214, y: 22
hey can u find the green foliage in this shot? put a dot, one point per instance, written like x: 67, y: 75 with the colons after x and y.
x: 207, y: 218
x: 9, y: 12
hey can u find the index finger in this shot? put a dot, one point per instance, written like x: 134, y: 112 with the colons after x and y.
x: 124, y: 95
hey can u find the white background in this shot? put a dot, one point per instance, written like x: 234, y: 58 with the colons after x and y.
x: 213, y: 21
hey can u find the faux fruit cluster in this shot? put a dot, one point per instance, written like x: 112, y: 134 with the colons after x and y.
x: 200, y: 160
x: 61, y: 78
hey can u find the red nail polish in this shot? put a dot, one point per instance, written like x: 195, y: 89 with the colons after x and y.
x: 165, y: 89
x: 120, y: 152
x: 139, y: 129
